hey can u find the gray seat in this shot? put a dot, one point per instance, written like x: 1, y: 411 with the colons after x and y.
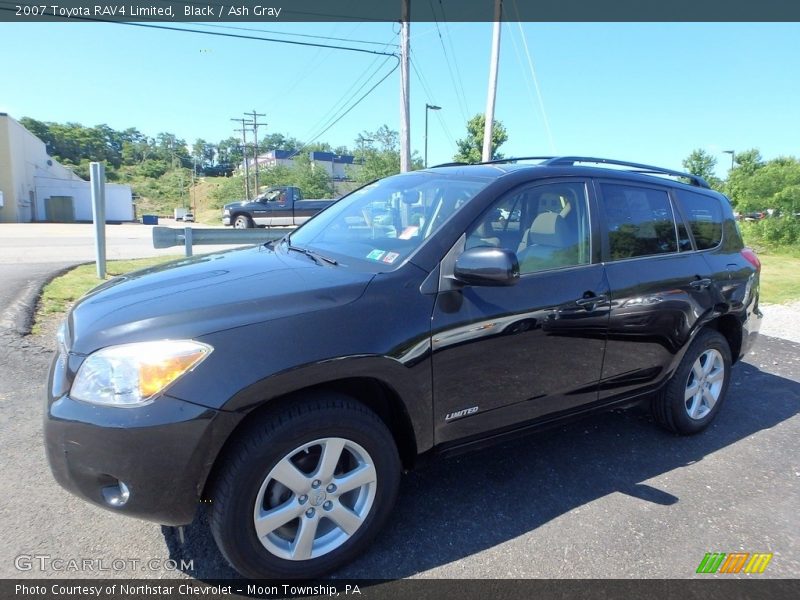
x: 547, y: 244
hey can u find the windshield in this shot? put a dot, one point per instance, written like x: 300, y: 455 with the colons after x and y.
x: 384, y: 222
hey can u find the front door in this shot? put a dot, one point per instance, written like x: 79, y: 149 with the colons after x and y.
x: 506, y: 355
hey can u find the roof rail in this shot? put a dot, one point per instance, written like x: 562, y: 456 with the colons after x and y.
x: 497, y: 161
x: 557, y: 161
x: 637, y: 167
x: 512, y: 159
x: 450, y: 164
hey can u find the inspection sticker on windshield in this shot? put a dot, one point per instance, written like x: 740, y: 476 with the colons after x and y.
x: 390, y: 257
x: 376, y: 254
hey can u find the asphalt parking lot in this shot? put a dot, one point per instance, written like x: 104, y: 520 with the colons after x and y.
x: 612, y: 496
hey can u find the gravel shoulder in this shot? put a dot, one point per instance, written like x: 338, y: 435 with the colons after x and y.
x: 781, y: 321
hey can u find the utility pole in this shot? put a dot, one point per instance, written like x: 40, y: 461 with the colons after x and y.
x: 405, y: 125
x: 244, y: 155
x: 492, y: 92
x: 194, y: 172
x: 255, y: 124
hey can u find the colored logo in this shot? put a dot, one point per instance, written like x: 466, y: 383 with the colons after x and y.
x: 734, y: 562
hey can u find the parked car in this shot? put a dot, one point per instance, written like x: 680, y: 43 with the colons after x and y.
x: 285, y: 387
x: 754, y: 216
x: 188, y: 217
x: 279, y: 206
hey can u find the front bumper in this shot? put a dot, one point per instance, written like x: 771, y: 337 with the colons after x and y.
x: 162, y: 452
x: 226, y: 220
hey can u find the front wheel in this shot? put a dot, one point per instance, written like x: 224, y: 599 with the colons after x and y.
x: 305, y: 491
x: 694, y: 394
x: 242, y: 222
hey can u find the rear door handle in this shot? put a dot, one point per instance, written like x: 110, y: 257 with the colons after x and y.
x: 701, y: 284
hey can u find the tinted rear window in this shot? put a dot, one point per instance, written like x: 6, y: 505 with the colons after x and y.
x: 705, y: 218
x: 639, y: 220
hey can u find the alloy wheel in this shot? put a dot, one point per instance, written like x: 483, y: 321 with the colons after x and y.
x: 704, y: 384
x: 315, y: 499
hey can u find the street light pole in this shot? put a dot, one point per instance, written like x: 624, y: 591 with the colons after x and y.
x: 733, y: 155
x: 427, y: 108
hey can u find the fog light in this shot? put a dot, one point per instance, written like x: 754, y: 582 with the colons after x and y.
x: 116, y: 495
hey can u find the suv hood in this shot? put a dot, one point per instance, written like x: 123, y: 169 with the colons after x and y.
x: 192, y: 297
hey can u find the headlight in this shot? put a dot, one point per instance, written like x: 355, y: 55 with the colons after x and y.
x: 226, y: 211
x: 131, y: 374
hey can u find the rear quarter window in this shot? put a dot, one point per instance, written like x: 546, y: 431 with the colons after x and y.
x: 704, y: 214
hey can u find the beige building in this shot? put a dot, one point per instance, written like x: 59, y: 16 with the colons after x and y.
x: 35, y: 187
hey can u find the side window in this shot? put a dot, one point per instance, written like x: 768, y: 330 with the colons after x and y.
x: 705, y: 218
x: 546, y: 225
x: 639, y: 220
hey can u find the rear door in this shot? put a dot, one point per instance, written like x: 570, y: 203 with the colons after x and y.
x: 660, y: 287
x: 506, y: 355
x: 717, y: 239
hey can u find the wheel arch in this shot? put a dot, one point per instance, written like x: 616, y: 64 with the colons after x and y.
x: 375, y: 394
x: 731, y: 329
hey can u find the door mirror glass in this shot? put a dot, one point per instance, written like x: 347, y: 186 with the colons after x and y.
x: 487, y: 266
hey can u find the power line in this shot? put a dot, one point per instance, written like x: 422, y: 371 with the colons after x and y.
x: 303, y: 35
x: 238, y: 36
x: 460, y: 79
x: 431, y: 99
x: 460, y: 98
x: 344, y: 99
x: 344, y: 114
x: 536, y: 84
x: 521, y: 64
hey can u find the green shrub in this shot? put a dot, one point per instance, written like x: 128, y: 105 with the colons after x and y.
x: 773, y: 232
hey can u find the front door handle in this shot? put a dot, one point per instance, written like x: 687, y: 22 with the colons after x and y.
x: 589, y: 302
x: 701, y: 284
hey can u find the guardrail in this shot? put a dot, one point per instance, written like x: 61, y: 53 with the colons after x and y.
x: 167, y: 237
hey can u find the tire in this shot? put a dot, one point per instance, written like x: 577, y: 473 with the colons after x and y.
x: 290, y: 445
x: 706, y: 370
x: 242, y: 222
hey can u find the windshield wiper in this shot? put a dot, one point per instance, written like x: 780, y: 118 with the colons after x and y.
x: 316, y: 256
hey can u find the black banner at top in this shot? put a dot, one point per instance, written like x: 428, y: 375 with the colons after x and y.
x: 396, y: 10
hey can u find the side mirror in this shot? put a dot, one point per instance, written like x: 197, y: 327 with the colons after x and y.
x: 487, y: 266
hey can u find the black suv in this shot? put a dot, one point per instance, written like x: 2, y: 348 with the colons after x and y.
x: 286, y: 386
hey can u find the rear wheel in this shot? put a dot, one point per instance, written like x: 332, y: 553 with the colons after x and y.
x: 242, y: 222
x: 694, y: 395
x: 305, y: 491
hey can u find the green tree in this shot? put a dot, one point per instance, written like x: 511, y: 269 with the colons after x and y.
x: 202, y: 152
x: 701, y: 163
x: 278, y: 141
x: 380, y: 156
x: 312, y: 180
x: 229, y: 152
x: 756, y: 185
x: 470, y: 148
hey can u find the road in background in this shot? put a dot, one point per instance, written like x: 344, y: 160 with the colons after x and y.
x: 73, y: 242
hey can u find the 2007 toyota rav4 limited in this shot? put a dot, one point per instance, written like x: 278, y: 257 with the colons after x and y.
x: 291, y: 383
